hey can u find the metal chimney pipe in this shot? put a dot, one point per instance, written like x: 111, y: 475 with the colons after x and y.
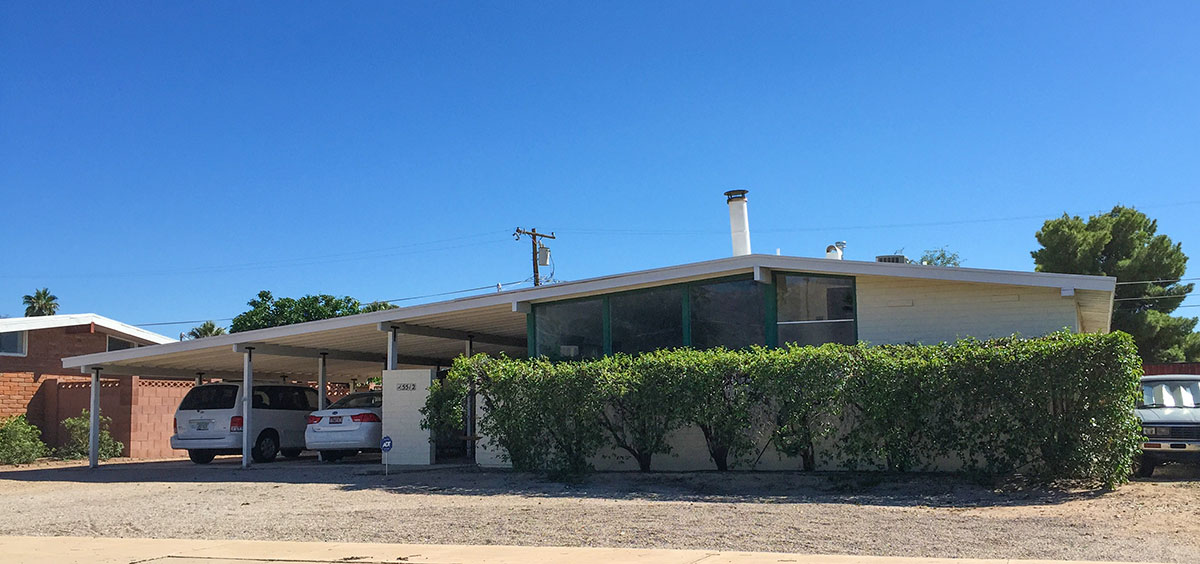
x: 739, y: 222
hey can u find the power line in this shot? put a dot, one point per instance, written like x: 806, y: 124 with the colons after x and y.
x: 840, y: 227
x: 409, y: 298
x: 1181, y: 297
x: 1173, y: 280
x: 365, y: 254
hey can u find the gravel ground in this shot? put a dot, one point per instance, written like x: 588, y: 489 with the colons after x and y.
x: 912, y: 515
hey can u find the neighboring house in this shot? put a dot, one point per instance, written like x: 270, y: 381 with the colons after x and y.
x: 33, y: 381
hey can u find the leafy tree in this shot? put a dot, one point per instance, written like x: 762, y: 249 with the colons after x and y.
x: 268, y: 311
x: 1124, y: 243
x: 941, y: 256
x: 206, y: 329
x: 42, y: 302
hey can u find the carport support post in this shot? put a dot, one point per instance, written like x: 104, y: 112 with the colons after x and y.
x: 391, y: 349
x: 247, y: 403
x: 471, y: 404
x: 322, y: 382
x: 94, y: 422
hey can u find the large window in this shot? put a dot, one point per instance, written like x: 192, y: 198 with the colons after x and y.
x: 728, y: 314
x: 570, y: 330
x: 13, y: 343
x: 813, y: 310
x: 647, y: 320
x: 115, y: 344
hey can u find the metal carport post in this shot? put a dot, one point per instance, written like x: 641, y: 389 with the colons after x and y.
x: 247, y: 404
x: 94, y: 421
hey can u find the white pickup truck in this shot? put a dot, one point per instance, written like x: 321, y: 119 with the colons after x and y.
x: 1170, y: 414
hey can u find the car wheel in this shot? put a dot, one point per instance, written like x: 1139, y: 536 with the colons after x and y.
x: 1144, y: 467
x: 201, y: 456
x: 265, y: 448
x: 331, y: 455
x: 290, y: 452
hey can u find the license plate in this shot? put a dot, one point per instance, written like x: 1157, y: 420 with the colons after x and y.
x: 202, y: 426
x: 335, y: 420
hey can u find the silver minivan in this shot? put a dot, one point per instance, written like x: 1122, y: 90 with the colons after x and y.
x: 209, y: 420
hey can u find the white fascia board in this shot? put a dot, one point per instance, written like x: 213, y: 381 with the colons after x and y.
x: 110, y: 326
x: 672, y: 274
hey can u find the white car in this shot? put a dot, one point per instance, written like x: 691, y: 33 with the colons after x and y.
x: 351, y: 425
x: 209, y: 420
x: 1170, y: 414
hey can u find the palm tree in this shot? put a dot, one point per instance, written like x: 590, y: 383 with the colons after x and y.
x: 206, y: 329
x: 42, y: 302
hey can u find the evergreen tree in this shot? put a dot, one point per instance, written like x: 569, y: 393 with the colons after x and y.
x: 1124, y: 243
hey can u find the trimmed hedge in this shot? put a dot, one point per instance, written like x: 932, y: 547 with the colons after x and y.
x: 1055, y: 407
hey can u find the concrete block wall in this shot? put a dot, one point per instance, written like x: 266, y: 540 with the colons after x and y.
x: 897, y: 310
x: 152, y: 415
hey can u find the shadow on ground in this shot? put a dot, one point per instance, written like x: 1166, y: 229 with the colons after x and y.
x: 365, y: 473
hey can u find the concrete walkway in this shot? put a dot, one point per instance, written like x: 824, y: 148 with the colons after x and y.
x: 63, y: 550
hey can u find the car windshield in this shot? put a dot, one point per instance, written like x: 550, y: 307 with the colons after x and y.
x: 1171, y: 393
x: 209, y: 397
x: 365, y: 399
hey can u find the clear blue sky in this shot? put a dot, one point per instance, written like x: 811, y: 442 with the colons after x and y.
x: 165, y: 161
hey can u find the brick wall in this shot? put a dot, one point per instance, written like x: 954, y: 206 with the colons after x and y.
x: 1172, y: 368
x: 73, y: 396
x: 47, y: 348
x: 16, y: 391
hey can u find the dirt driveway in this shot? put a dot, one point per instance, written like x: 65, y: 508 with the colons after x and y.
x: 915, y: 515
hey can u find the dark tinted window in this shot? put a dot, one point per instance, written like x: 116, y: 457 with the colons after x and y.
x: 646, y: 321
x: 115, y: 344
x: 814, y: 310
x: 368, y: 399
x: 728, y: 314
x: 283, y: 397
x: 570, y: 330
x: 209, y: 397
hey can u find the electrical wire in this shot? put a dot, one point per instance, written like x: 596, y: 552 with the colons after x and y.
x: 409, y: 298
x: 366, y: 254
x: 838, y: 227
x: 1182, y: 297
x: 1172, y: 280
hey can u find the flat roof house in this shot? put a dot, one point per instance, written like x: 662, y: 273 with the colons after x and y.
x: 747, y: 299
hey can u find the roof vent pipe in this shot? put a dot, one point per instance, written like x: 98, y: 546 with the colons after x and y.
x: 739, y: 222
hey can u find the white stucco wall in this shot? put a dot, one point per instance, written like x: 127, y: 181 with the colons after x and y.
x: 899, y: 310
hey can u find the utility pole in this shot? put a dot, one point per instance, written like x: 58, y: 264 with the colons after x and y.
x: 533, y: 238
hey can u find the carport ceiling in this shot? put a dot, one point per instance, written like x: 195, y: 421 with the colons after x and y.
x: 354, y: 350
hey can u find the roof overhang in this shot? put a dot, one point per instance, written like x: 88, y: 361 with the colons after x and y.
x: 104, y: 324
x: 435, y: 333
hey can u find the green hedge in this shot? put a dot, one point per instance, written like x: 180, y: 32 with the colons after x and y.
x: 1056, y: 407
x: 20, y: 441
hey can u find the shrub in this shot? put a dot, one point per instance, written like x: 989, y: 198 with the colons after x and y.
x: 20, y: 441
x: 641, y: 407
x: 77, y: 444
x: 1060, y: 406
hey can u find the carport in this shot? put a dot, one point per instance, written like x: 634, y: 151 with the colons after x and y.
x: 345, y: 349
